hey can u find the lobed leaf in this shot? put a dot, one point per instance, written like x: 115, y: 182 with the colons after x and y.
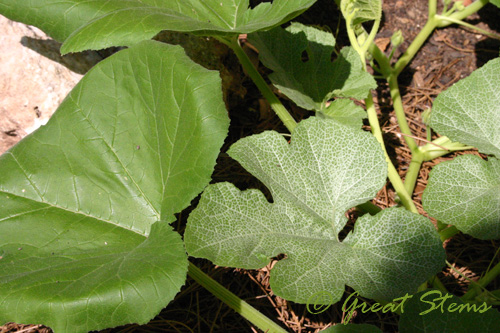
x: 469, y: 111
x: 325, y: 170
x: 429, y: 311
x: 465, y: 192
x: 311, y: 82
x: 132, y: 144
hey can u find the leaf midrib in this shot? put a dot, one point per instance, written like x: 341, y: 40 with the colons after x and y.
x: 51, y: 205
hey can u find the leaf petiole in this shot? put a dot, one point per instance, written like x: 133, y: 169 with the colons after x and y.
x: 233, y: 301
x: 259, y: 81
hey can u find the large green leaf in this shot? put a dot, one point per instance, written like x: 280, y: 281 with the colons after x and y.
x: 495, y: 2
x: 124, y: 22
x: 311, y: 82
x: 131, y: 145
x: 206, y: 17
x: 465, y: 192
x: 60, y: 18
x: 432, y: 311
x: 469, y: 111
x: 325, y: 170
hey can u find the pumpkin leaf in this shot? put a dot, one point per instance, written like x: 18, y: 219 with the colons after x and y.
x: 311, y: 83
x: 325, y: 170
x: 210, y: 18
x: 465, y: 192
x: 86, y: 200
x: 469, y: 111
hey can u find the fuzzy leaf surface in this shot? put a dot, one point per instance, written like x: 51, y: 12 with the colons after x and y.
x: 363, y: 10
x: 469, y: 111
x: 325, y: 170
x: 461, y: 317
x: 465, y: 192
x: 313, y: 82
x: 85, y: 201
x: 205, y: 17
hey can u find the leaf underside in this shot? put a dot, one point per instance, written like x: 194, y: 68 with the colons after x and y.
x: 466, y: 192
x: 132, y: 144
x: 469, y: 111
x: 312, y: 81
x: 325, y: 170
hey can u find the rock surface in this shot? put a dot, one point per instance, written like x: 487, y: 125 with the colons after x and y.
x: 34, y: 79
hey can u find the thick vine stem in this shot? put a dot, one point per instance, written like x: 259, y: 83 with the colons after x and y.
x: 393, y: 175
x: 417, y: 158
x: 259, y: 81
x: 233, y: 301
x: 417, y: 43
x: 397, y: 104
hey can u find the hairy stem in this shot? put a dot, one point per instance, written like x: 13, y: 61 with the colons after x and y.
x: 233, y: 301
x: 259, y: 81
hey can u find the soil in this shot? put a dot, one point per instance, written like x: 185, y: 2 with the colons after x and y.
x: 450, y: 54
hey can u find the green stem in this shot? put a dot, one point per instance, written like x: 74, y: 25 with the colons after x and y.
x: 432, y: 8
x: 448, y: 233
x: 465, y: 24
x: 467, y: 11
x: 400, y: 113
x: 411, y: 176
x: 369, y: 40
x: 259, y: 81
x: 432, y: 23
x: 482, y: 283
x: 417, y: 43
x: 393, y: 175
x: 233, y: 301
